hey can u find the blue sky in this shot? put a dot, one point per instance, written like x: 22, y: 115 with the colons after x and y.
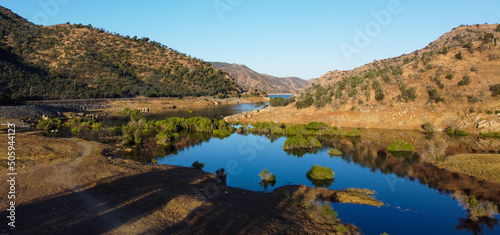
x: 303, y: 38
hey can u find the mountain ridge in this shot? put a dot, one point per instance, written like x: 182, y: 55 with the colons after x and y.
x: 80, y: 61
x: 248, y: 78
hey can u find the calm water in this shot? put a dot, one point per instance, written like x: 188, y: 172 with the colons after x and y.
x: 212, y: 111
x: 282, y: 96
x: 413, y: 203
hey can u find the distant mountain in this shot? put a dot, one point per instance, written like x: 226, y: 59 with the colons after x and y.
x: 247, y: 78
x: 77, y: 61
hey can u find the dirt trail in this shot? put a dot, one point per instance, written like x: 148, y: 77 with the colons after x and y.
x: 92, y: 203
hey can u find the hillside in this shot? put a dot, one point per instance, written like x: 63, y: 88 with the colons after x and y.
x: 247, y: 78
x: 455, y: 80
x: 77, y: 61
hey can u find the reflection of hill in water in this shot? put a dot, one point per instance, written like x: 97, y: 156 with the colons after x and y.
x: 370, y: 151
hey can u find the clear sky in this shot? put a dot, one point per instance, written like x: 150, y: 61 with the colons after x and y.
x: 304, y: 38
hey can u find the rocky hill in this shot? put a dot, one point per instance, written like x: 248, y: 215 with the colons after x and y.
x: 247, y: 78
x: 454, y: 81
x: 78, y: 61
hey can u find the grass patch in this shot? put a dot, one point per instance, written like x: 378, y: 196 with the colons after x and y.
x: 298, y: 142
x: 455, y: 131
x: 491, y: 135
x: 335, y: 152
x: 484, y: 166
x: 320, y: 173
x: 400, y: 145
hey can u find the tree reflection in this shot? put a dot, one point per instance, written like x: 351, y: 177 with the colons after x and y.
x: 265, y: 184
x: 321, y: 183
x: 480, y: 214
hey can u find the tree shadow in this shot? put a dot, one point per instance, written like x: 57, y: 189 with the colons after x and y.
x: 116, y: 202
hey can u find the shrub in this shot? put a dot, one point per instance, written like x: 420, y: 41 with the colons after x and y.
x: 328, y: 211
x: 409, y: 94
x: 265, y: 175
x: 434, y: 96
x: 198, y: 165
x: 491, y: 135
x: 495, y: 90
x: 379, y: 95
x: 449, y: 76
x: 320, y: 173
x: 465, y: 81
x: 498, y: 28
x: 49, y: 124
x: 279, y: 101
x: 335, y: 152
x: 399, y: 146
x: 190, y: 111
x: 454, y: 131
x: 459, y: 56
x: 301, y: 142
x: 428, y: 128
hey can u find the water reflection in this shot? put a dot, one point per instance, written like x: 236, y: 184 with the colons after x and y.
x: 481, y: 214
x: 265, y: 184
x: 370, y: 154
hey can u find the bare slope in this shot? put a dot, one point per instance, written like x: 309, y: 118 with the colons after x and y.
x: 247, y: 78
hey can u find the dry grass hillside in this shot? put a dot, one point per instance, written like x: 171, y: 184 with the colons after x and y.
x: 82, y: 61
x: 454, y: 81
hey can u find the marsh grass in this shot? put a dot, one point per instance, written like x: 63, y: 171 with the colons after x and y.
x: 484, y: 166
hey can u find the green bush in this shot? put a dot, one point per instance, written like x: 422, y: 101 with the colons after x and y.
x: 428, y: 128
x: 265, y: 175
x: 434, y: 96
x: 399, y: 146
x: 459, y: 56
x: 297, y: 142
x: 495, y: 90
x: 353, y: 133
x: 198, y: 165
x: 491, y: 135
x: 449, y: 76
x: 379, y: 95
x: 454, y: 131
x: 465, y: 81
x: 49, y: 124
x: 320, y: 173
x: 328, y: 212
x: 279, y: 101
x: 335, y: 152
x: 409, y: 94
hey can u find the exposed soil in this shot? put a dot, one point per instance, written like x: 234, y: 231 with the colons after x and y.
x: 82, y: 187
